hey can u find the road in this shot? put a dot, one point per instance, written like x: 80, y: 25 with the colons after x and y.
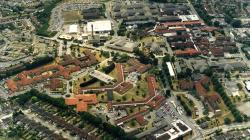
x: 189, y: 121
x: 243, y: 56
x: 194, y: 11
x: 114, y: 23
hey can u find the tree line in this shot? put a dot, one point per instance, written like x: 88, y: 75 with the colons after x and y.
x: 185, y: 106
x: 231, y: 106
x: 44, y: 17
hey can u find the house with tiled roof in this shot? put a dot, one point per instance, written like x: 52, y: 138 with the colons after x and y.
x: 187, y: 52
x: 212, y: 99
x: 200, y: 90
x: 186, y: 85
x: 217, y: 52
x: 81, y: 101
x: 140, y: 119
x: 11, y: 85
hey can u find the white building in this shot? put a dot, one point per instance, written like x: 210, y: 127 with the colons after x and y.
x: 170, y: 69
x: 189, y: 18
x: 102, y: 76
x: 178, y: 129
x: 73, y: 29
x: 247, y: 83
x: 101, y: 26
x: 232, y: 88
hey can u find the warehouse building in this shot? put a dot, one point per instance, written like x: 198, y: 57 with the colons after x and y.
x: 102, y: 26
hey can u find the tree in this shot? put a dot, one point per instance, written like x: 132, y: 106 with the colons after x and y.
x: 236, y: 23
x: 124, y: 98
x: 133, y: 123
x: 206, y: 86
x: 173, y: 59
x: 137, y: 92
x: 217, y: 24
x: 34, y: 99
x: 112, y: 32
x: 189, y: 71
x: 167, y: 93
x: 228, y: 19
x: 239, y: 86
x: 227, y: 121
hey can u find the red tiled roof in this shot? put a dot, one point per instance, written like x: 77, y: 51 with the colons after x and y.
x: 186, y: 85
x: 123, y: 87
x: 37, y: 75
x: 81, y: 106
x: 219, y: 52
x: 81, y: 101
x: 120, y: 72
x: 200, y: 89
x: 11, y: 85
x: 187, y: 52
x: 185, y: 36
x: 213, y: 97
x: 88, y: 98
x: 204, y: 80
x: 137, y: 66
x: 157, y: 102
x: 85, y: 61
x: 55, y: 83
x: 71, y: 101
x: 130, y: 117
x: 163, y: 31
x: 182, y: 23
x: 207, y: 28
x: 183, y: 44
x: 151, y: 85
x: 140, y: 119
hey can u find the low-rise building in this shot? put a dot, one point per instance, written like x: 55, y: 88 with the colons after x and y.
x: 232, y: 88
x: 177, y: 129
x: 81, y: 101
x: 247, y: 85
x: 170, y: 69
x: 102, y: 26
x: 102, y: 76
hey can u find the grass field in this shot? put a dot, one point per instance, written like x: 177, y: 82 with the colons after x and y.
x: 72, y: 16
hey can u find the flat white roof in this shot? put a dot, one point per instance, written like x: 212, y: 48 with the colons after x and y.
x: 189, y: 17
x: 102, y: 76
x: 99, y: 26
x: 73, y: 28
x: 67, y: 37
x: 175, y: 134
x: 169, y: 34
x: 170, y: 69
x: 247, y: 85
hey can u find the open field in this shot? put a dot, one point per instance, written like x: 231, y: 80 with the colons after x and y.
x: 72, y: 16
